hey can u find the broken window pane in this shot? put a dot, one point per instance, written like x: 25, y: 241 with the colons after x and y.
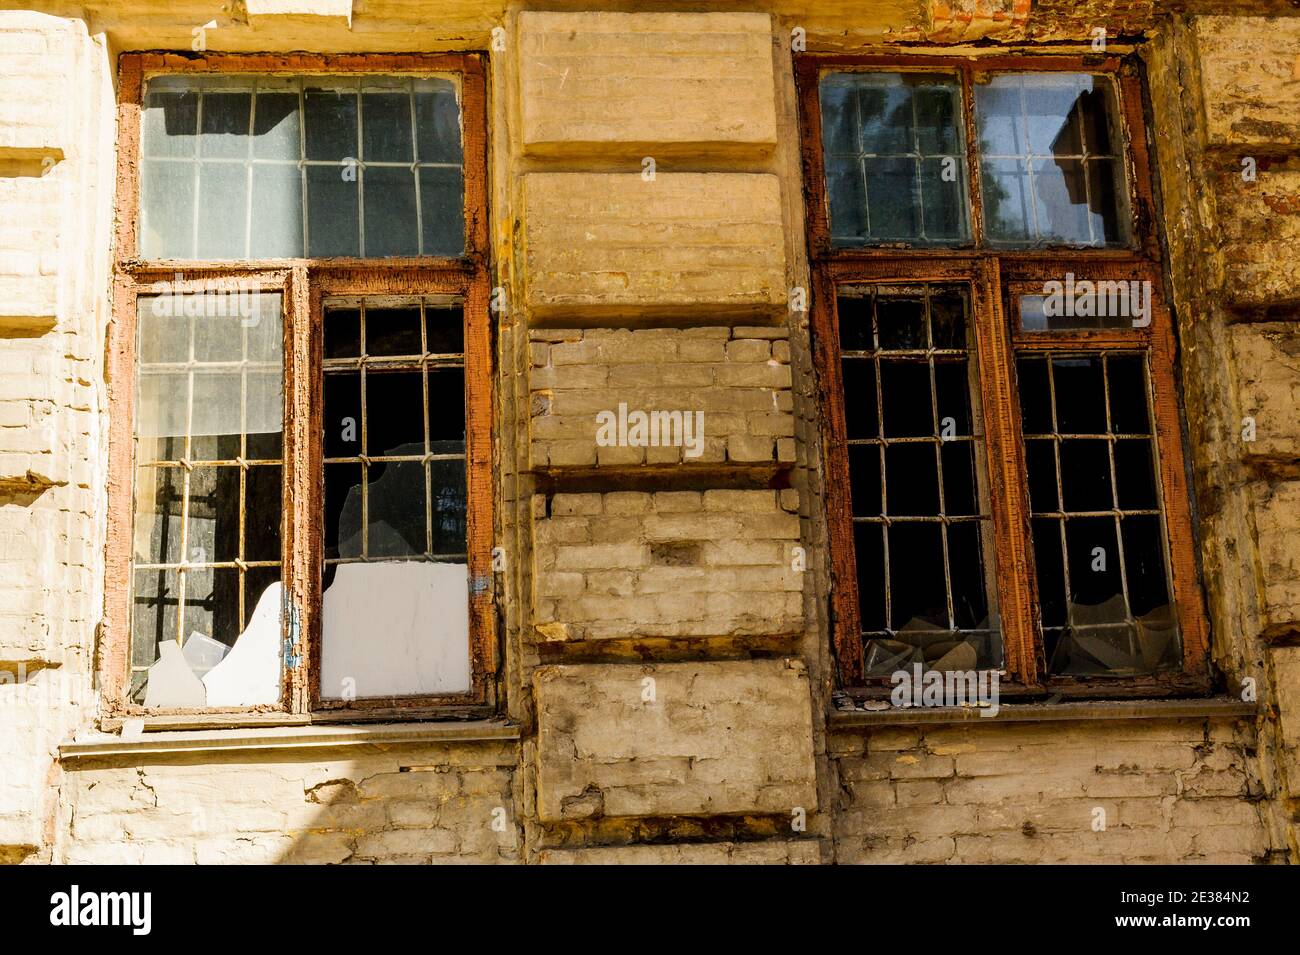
x: 395, y: 501
x: 895, y: 158
x: 1068, y: 306
x: 346, y: 147
x: 1051, y: 173
x: 1097, y: 522
x: 208, y: 492
x: 923, y: 540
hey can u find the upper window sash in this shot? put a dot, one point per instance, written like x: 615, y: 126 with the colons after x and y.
x: 238, y: 158
x: 255, y: 167
x: 1000, y: 155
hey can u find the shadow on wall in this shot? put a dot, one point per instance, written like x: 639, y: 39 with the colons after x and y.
x: 363, y: 804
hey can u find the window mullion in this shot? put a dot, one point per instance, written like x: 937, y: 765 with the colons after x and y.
x: 1017, y: 599
x: 847, y: 628
x: 301, y: 539
x: 1186, y: 596
x: 976, y: 202
x: 479, y: 520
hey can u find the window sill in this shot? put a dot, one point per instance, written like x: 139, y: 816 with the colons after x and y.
x: 1091, y: 711
x: 261, y: 738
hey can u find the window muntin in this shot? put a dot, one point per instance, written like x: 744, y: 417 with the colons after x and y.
x: 1048, y: 147
x: 269, y: 167
x: 918, y: 479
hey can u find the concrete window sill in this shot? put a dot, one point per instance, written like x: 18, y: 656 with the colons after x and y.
x: 257, y: 738
x: 1215, y: 708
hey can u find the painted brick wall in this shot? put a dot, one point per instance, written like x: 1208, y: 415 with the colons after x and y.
x: 1134, y: 792
x: 666, y: 290
x: 415, y: 805
x: 667, y: 564
x: 738, y: 379
x: 56, y: 164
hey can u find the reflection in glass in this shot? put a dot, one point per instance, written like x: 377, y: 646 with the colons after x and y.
x: 229, y: 162
x: 1051, y: 170
x: 895, y: 158
x: 208, y: 484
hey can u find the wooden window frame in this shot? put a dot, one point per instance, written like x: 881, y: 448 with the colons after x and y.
x: 305, y: 284
x: 990, y: 274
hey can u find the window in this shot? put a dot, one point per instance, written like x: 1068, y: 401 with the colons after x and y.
x: 1002, y: 431
x: 301, y: 388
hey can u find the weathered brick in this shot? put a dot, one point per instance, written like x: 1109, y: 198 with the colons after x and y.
x: 1250, y: 82
x: 609, y: 244
x: 675, y: 565
x: 717, y: 738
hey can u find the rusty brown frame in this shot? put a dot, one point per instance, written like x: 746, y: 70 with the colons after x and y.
x: 304, y: 282
x: 991, y: 274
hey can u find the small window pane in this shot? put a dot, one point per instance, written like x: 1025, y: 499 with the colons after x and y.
x: 1071, y: 304
x: 395, y: 520
x: 170, y: 123
x: 391, y: 220
x: 394, y: 413
x: 341, y: 416
x: 331, y: 124
x: 444, y: 330
x: 229, y: 162
x: 447, y: 506
x: 1050, y: 174
x: 895, y: 158
x: 343, y: 333
x: 437, y: 122
x: 277, y: 127
x: 393, y: 331
x: 1127, y: 385
x: 224, y: 127
x: 223, y: 193
x: 386, y: 128
x: 332, y: 203
x: 342, y: 510
x: 442, y: 210
x: 276, y: 231
x: 167, y: 222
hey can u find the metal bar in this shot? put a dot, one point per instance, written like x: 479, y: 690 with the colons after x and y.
x: 1114, y: 490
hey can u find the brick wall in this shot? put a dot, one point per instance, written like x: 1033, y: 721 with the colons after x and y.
x: 1232, y: 221
x: 416, y: 805
x: 736, y: 380
x: 662, y: 286
x: 56, y: 163
x: 1132, y: 792
x: 667, y: 564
